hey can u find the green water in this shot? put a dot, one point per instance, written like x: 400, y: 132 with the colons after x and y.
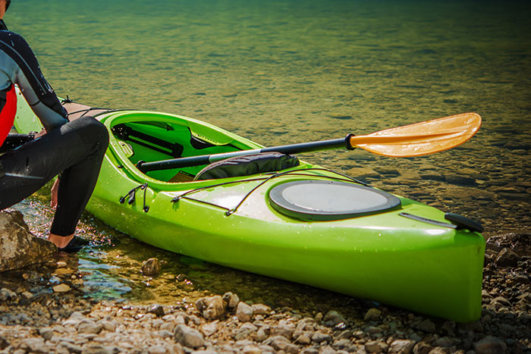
x: 290, y: 71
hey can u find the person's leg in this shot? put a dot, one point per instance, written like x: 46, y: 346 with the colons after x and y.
x: 75, y: 150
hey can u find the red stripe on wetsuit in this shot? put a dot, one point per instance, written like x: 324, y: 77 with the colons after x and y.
x: 7, y: 115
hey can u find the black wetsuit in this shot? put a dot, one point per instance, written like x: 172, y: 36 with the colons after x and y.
x: 73, y: 149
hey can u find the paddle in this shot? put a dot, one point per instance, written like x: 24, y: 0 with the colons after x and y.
x: 406, y: 141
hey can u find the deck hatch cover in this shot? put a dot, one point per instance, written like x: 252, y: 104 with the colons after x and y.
x: 315, y: 200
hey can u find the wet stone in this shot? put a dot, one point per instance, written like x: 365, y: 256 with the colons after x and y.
x: 151, y: 267
x: 460, y: 180
x: 490, y: 345
x: 387, y: 171
x: 426, y: 326
x: 507, y: 258
x: 62, y: 288
x: 157, y: 310
x: 373, y: 315
x: 333, y: 318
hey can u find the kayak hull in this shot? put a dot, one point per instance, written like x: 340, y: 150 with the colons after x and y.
x: 421, y: 266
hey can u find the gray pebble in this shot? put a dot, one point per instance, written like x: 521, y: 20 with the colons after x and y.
x: 210, y: 328
x: 89, y: 327
x: 245, y: 331
x: 231, y: 300
x: 400, y: 346
x: 244, y: 312
x: 211, y: 307
x: 303, y: 339
x: 6, y: 294
x: 319, y: 337
x: 262, y: 334
x: 283, y: 330
x: 261, y: 309
x: 277, y: 342
x: 188, y: 337
x: 46, y: 333
x: 333, y: 318
x: 34, y: 345
x: 251, y: 349
x: 157, y: 310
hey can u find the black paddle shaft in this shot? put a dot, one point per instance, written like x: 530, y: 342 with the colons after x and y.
x: 207, y: 159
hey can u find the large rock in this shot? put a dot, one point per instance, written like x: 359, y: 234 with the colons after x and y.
x: 18, y: 247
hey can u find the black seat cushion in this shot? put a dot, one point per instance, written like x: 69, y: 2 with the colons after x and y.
x: 247, y: 165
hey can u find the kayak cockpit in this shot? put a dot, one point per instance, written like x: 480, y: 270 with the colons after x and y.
x: 140, y: 137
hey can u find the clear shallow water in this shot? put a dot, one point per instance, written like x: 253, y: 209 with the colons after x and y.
x: 289, y: 71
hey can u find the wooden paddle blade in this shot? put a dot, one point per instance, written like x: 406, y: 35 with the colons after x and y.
x: 422, y: 138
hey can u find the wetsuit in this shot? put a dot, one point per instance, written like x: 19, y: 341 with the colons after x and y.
x: 72, y: 149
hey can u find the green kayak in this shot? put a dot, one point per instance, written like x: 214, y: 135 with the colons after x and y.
x: 275, y: 215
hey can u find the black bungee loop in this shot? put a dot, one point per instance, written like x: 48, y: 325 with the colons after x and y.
x: 131, y: 196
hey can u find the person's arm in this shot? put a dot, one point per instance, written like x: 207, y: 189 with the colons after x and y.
x: 18, y: 61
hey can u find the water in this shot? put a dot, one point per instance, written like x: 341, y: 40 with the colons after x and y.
x: 290, y: 71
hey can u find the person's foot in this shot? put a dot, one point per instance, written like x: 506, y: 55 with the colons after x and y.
x: 70, y: 244
x: 75, y: 245
x: 60, y: 241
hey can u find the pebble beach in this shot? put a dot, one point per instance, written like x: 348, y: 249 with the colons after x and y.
x: 37, y: 316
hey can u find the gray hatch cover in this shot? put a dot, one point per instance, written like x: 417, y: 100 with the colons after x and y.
x: 329, y: 200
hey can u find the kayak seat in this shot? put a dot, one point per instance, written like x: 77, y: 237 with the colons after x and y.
x: 129, y: 134
x: 247, y: 165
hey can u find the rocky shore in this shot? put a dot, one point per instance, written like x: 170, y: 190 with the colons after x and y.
x: 43, y: 310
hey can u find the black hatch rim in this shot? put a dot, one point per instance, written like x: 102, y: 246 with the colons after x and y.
x: 285, y: 203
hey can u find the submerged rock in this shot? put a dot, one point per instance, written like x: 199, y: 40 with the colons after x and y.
x: 18, y: 246
x: 151, y: 267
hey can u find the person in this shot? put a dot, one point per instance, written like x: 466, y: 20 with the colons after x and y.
x: 74, y: 150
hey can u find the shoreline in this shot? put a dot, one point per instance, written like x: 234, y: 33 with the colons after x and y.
x: 47, y: 312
